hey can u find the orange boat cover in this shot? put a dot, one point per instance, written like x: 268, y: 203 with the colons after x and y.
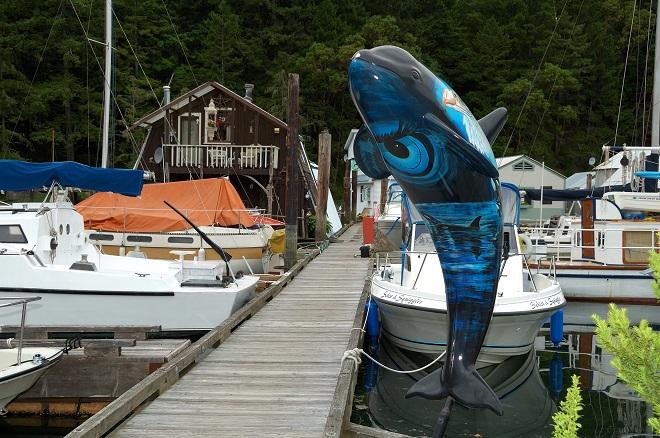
x: 212, y: 201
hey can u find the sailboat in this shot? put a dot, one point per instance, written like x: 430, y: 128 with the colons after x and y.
x: 605, y: 251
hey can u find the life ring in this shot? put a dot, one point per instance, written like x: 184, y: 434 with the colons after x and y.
x: 524, y: 243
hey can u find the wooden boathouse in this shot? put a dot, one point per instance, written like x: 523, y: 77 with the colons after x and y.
x: 211, y: 131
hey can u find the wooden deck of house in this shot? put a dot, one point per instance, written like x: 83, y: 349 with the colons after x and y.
x: 278, y: 372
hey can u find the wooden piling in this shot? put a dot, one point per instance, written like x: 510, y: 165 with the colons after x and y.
x: 291, y: 218
x: 383, y: 195
x: 325, y: 141
x: 346, y: 202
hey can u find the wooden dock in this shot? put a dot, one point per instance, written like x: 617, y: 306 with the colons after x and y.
x: 277, y: 374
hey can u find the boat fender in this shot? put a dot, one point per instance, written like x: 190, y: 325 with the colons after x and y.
x: 525, y: 243
x: 373, y: 322
x: 557, y: 327
x: 556, y: 375
x: 201, y: 254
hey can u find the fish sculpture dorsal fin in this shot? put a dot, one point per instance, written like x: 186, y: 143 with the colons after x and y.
x: 367, y: 155
x: 493, y: 122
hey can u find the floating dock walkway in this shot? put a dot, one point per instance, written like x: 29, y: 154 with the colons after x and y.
x: 280, y: 373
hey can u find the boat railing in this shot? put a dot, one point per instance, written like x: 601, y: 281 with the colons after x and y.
x: 22, y: 301
x: 602, y: 239
x: 551, y: 265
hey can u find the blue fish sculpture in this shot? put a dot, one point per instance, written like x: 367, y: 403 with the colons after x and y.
x: 418, y: 130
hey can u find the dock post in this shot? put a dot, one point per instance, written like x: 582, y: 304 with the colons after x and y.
x: 383, y: 195
x: 291, y: 218
x: 346, y: 202
x: 325, y: 141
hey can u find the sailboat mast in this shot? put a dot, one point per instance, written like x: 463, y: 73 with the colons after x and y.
x: 107, y: 78
x: 655, y: 117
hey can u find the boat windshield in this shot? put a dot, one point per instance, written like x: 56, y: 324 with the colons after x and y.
x: 395, y: 197
x: 423, y: 240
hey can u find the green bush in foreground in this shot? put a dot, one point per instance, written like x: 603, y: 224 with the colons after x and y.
x: 566, y: 420
x: 636, y: 351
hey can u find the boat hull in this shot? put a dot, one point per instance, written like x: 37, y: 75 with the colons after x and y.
x: 172, y: 311
x: 418, y: 324
x: 605, y: 285
x: 16, y: 380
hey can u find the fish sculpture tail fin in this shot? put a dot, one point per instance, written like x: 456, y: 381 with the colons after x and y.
x: 468, y: 388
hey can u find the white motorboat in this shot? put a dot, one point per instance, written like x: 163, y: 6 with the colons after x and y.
x: 21, y: 367
x: 409, y: 291
x: 44, y: 250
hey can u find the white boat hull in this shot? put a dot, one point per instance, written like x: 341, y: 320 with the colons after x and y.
x: 172, y: 311
x: 417, y: 323
x: 604, y: 285
x: 16, y: 379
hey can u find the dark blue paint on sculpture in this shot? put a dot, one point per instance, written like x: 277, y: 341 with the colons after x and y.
x: 418, y: 130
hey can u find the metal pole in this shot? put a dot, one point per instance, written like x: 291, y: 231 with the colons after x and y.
x: 20, y: 339
x: 106, y: 86
x: 655, y: 118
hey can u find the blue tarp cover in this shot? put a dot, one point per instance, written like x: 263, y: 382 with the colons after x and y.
x: 19, y: 176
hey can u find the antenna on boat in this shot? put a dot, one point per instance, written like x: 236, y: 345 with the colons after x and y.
x: 226, y: 257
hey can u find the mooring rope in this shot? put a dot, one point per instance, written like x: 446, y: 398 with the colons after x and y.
x: 355, y: 353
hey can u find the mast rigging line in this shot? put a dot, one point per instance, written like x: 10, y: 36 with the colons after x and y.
x: 183, y: 49
x: 132, y: 142
x: 625, y: 69
x: 646, y: 70
x: 114, y: 14
x: 531, y: 86
x: 554, y: 82
x: 36, y: 70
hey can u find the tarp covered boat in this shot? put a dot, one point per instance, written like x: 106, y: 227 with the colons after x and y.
x: 212, y: 201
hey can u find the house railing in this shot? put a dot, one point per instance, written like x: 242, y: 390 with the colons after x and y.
x: 222, y: 156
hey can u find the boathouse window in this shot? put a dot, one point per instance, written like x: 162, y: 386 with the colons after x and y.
x: 523, y: 166
x: 636, y: 246
x: 139, y: 239
x: 365, y: 193
x: 12, y: 234
x: 180, y: 239
x: 99, y: 236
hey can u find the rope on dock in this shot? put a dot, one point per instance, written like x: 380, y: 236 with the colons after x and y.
x: 355, y: 353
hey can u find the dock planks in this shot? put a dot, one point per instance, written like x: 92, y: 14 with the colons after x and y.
x: 277, y: 373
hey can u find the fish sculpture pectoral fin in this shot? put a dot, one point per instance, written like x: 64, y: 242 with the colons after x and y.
x: 367, y: 155
x: 468, y: 389
x: 493, y: 122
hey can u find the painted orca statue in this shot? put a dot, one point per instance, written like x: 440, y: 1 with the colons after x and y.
x: 418, y: 130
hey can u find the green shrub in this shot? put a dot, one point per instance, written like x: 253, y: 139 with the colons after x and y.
x: 567, y: 420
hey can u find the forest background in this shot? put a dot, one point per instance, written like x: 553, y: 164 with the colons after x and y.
x: 563, y: 60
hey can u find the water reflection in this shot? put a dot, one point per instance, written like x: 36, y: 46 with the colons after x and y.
x: 530, y: 387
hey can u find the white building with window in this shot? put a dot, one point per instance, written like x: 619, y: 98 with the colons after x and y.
x: 526, y: 172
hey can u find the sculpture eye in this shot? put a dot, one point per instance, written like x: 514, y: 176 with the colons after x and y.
x: 410, y: 154
x: 397, y: 149
x: 416, y: 75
